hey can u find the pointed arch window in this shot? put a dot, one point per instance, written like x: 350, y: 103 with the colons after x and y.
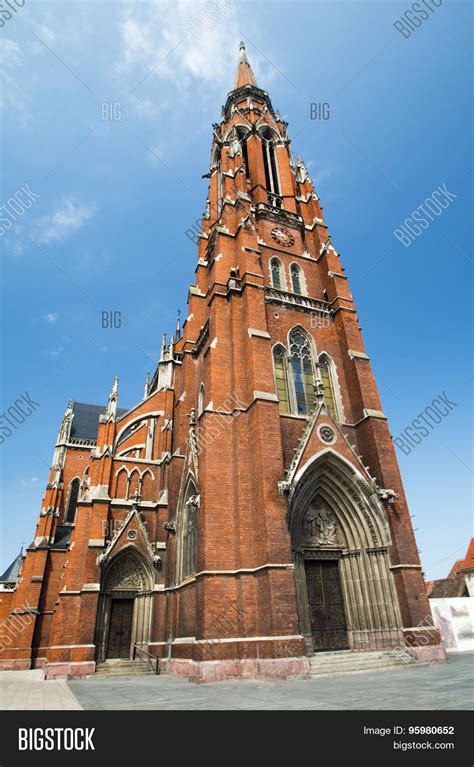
x: 296, y: 279
x: 276, y: 271
x: 324, y: 367
x: 270, y: 162
x: 303, y: 372
x: 201, y: 400
x: 242, y: 136
x: 72, y: 502
x: 189, y: 533
x: 280, y: 365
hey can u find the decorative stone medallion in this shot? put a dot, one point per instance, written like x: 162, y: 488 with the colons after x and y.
x: 326, y: 434
x: 131, y: 535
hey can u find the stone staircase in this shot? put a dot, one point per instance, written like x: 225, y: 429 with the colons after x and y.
x: 349, y: 662
x: 113, y: 668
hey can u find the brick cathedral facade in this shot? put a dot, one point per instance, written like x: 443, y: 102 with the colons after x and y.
x: 248, y: 511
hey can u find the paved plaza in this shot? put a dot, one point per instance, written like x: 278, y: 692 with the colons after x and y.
x: 447, y: 686
x: 27, y: 691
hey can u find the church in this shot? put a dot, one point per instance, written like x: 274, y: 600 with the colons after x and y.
x: 247, y: 515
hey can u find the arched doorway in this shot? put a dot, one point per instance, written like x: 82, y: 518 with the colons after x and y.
x: 340, y: 539
x: 124, y: 614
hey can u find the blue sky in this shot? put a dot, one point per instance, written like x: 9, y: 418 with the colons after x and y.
x: 116, y: 196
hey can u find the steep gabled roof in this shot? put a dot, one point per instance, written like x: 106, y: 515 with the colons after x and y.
x: 86, y: 419
x: 468, y: 563
x: 12, y: 572
x: 455, y: 570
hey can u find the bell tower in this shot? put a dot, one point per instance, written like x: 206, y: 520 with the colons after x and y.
x: 301, y: 533
x: 247, y: 512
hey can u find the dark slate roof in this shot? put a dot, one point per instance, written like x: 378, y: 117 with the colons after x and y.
x: 86, y: 419
x: 11, y: 573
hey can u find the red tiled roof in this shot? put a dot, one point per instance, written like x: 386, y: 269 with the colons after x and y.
x: 468, y: 562
x: 456, y: 568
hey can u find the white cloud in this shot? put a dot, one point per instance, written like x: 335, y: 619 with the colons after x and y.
x: 322, y: 175
x: 50, y: 318
x: 56, y: 352
x: 28, y: 481
x: 11, y: 97
x: 158, y: 41
x: 68, y: 217
x: 143, y: 107
x: 45, y: 32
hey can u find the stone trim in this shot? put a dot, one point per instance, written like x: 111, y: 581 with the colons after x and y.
x: 142, y: 504
x: 96, y: 542
x: 241, y: 571
x: 258, y: 333
x: 245, y: 570
x: 228, y: 640
x: 265, y: 395
x: 194, y: 291
x: 65, y: 646
x: 316, y: 221
x: 369, y: 413
x: 91, y: 587
x: 405, y: 567
x: 357, y: 355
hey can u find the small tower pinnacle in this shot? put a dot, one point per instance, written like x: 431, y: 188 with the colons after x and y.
x: 244, y: 74
x: 113, y: 399
x: 178, y: 325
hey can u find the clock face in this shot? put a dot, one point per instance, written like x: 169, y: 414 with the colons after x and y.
x: 283, y: 236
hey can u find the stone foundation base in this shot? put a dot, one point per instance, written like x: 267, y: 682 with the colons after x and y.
x: 9, y: 664
x: 429, y: 654
x: 218, y: 670
x: 68, y: 670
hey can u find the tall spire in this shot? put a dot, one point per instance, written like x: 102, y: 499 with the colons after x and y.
x: 244, y: 74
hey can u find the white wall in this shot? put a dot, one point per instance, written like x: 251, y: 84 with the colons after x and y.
x: 455, y: 619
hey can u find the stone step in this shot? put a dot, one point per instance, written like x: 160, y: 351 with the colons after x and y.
x: 122, y: 668
x: 357, y: 658
x: 358, y: 664
x: 332, y: 663
x: 378, y: 670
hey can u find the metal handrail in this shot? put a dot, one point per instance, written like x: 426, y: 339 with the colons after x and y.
x: 155, y: 662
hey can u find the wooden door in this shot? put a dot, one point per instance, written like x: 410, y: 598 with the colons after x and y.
x: 326, y: 604
x: 120, y: 628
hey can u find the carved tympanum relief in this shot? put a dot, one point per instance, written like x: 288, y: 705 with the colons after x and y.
x: 320, y: 527
x: 126, y: 574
